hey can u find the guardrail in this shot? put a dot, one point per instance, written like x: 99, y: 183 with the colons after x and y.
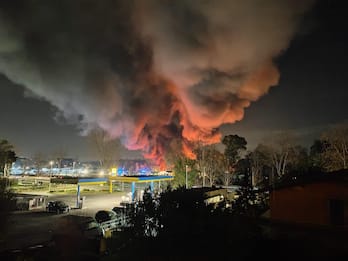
x: 115, y: 224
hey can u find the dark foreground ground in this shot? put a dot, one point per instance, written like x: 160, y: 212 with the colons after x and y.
x: 247, y: 240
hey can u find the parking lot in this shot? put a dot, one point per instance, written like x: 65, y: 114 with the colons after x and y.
x: 30, y: 228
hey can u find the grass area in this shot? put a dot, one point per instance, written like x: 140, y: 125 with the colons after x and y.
x: 21, y: 189
x: 60, y: 189
x: 41, y: 185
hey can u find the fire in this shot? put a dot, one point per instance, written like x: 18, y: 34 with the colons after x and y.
x: 168, y: 130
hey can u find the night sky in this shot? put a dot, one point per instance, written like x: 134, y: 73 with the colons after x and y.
x: 309, y: 97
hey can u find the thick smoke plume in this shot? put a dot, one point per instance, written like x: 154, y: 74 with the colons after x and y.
x: 159, y: 74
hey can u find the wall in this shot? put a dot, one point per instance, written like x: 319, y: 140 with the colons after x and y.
x: 308, y: 203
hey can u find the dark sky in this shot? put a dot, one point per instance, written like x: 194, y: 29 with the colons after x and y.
x: 311, y: 94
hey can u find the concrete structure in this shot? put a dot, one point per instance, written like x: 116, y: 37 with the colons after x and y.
x: 110, y: 180
x: 30, y: 202
x: 139, y: 179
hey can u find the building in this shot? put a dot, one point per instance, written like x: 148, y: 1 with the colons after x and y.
x: 30, y: 202
x: 320, y: 199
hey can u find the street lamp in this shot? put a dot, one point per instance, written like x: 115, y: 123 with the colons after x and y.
x: 51, y: 163
x: 73, y: 167
x: 186, y: 176
x: 49, y: 184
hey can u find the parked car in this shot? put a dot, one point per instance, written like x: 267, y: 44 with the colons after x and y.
x: 105, y: 215
x: 119, y: 210
x: 57, y: 207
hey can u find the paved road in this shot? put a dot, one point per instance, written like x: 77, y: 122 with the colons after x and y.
x: 92, y: 202
x: 29, y: 228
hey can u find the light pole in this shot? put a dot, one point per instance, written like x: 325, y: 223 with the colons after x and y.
x: 49, y: 184
x: 51, y: 163
x: 203, y: 149
x: 73, y: 167
x: 186, y: 176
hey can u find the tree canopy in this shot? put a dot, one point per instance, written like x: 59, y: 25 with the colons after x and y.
x: 335, y: 147
x: 234, y: 146
x: 7, y: 156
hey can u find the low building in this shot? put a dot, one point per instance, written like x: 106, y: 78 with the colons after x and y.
x: 320, y: 199
x: 30, y: 202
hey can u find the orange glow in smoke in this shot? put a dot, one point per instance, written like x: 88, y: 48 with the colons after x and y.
x: 197, y: 124
x: 187, y: 150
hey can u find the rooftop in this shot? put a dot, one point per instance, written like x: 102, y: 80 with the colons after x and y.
x: 340, y: 176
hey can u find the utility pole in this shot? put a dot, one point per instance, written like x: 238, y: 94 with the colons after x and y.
x: 203, y: 149
x: 73, y: 167
x: 186, y: 176
x: 203, y: 162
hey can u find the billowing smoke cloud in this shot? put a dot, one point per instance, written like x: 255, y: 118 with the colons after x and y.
x: 159, y: 74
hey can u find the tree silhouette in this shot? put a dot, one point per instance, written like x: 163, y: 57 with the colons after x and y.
x: 234, y: 147
x: 7, y: 157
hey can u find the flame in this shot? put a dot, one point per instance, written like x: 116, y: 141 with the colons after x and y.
x: 153, y: 134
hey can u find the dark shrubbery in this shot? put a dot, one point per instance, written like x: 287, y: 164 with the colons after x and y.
x: 7, y: 204
x: 179, y: 225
